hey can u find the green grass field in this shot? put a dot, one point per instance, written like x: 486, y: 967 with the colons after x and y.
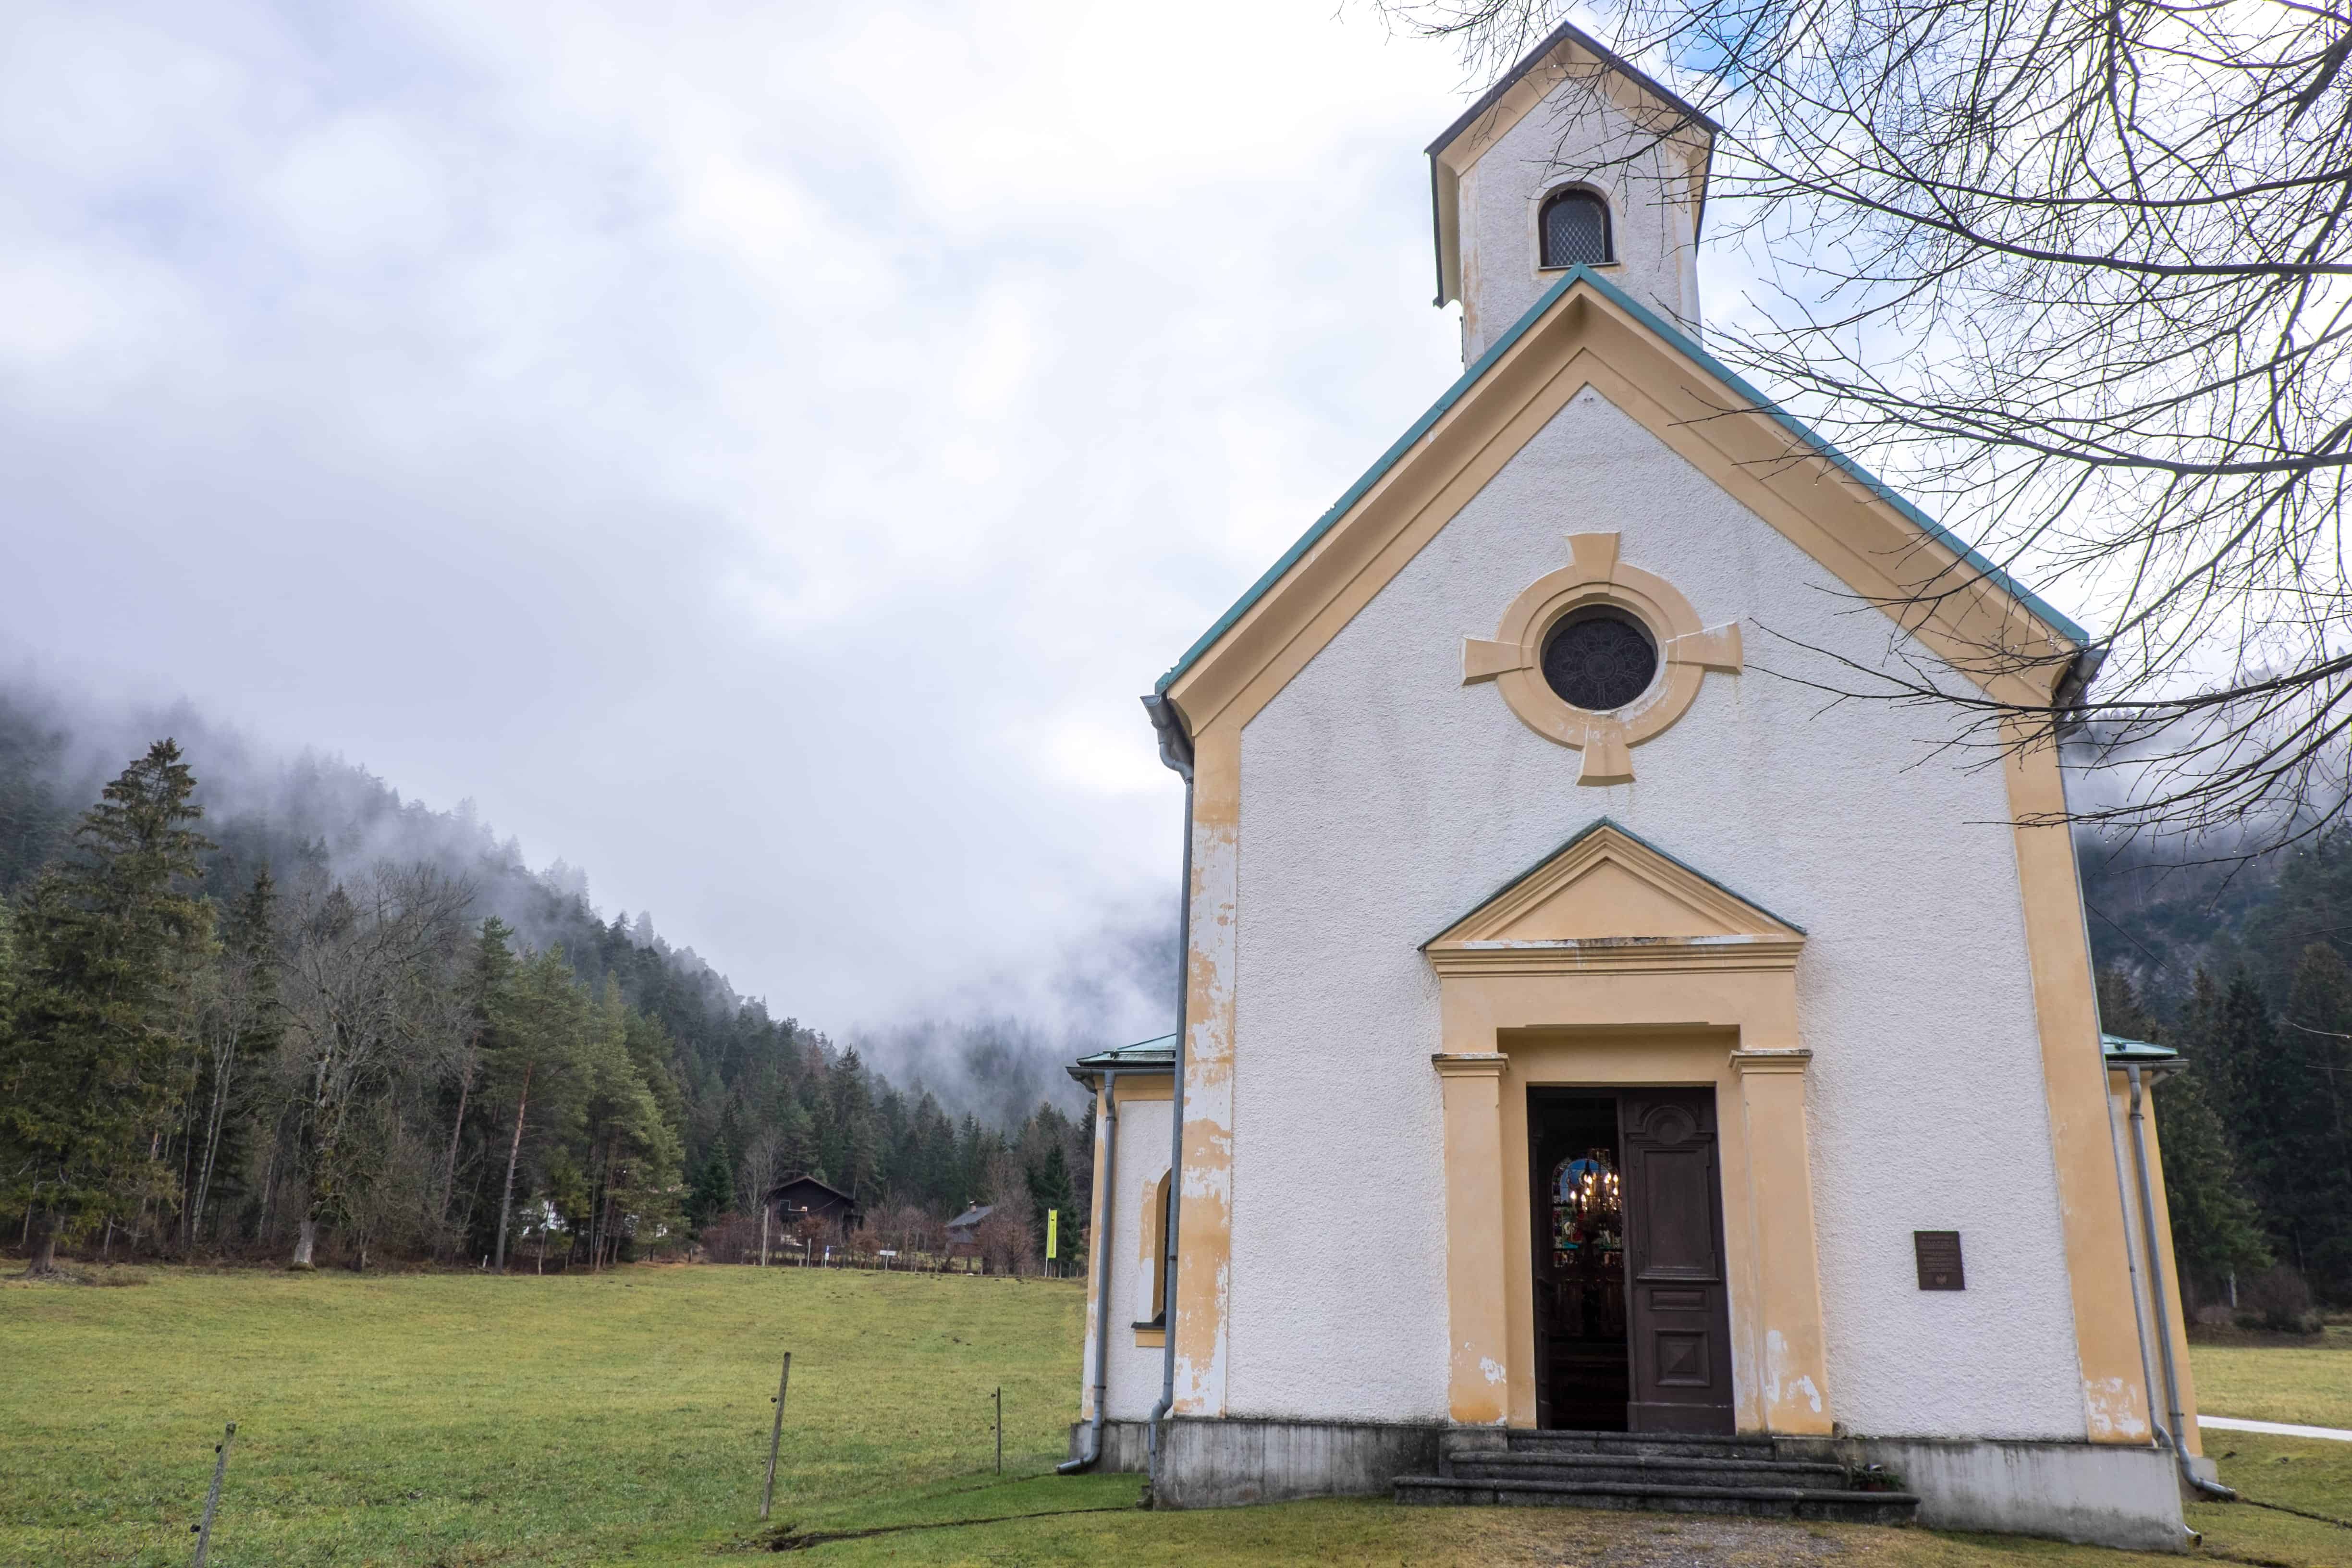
x: 457, y: 1419
x: 2308, y: 1384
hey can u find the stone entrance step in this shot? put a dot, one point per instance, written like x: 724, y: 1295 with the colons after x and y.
x: 1650, y: 1471
x: 1644, y: 1469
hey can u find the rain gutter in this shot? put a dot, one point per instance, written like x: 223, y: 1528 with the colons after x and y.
x: 2188, y: 1477
x: 1106, y: 1177
x: 1176, y: 752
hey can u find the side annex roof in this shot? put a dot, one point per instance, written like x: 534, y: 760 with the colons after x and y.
x: 2062, y: 629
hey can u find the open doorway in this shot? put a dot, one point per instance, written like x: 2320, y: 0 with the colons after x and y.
x: 1631, y: 1301
x: 1582, y: 1383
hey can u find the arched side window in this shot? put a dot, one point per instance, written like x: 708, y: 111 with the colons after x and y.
x: 1155, y: 1231
x: 1573, y: 225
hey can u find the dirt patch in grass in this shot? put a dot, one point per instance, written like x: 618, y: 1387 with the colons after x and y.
x: 73, y: 1274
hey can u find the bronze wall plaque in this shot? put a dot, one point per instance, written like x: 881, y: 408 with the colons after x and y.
x: 1938, y: 1252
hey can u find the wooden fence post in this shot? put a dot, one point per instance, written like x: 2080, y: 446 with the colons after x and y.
x: 211, y: 1497
x: 776, y: 1436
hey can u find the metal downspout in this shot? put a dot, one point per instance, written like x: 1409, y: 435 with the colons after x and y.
x: 2072, y: 687
x: 2156, y: 1294
x: 1108, y: 1176
x: 1176, y: 752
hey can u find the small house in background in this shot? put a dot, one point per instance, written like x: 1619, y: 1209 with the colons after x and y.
x: 805, y: 1197
x: 963, y: 1231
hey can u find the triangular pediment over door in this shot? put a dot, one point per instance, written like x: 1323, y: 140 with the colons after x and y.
x: 1607, y: 900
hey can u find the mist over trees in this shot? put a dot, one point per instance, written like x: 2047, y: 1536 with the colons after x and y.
x: 2241, y: 964
x: 322, y: 1021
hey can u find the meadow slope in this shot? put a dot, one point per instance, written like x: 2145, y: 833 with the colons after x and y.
x: 460, y: 1419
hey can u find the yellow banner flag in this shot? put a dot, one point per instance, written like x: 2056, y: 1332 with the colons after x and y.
x: 1053, y: 1233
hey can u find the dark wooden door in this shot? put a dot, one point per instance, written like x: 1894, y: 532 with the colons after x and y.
x: 1679, y: 1309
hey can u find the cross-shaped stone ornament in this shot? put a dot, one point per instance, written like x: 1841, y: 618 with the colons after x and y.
x: 1513, y: 658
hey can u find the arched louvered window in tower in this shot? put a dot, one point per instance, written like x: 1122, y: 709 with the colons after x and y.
x: 1575, y: 229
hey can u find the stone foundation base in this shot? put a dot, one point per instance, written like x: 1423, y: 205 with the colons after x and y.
x: 2091, y: 1493
x: 1230, y: 1463
x: 2095, y: 1493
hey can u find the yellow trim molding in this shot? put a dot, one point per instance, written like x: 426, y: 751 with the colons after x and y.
x: 2073, y: 1073
x: 1204, y: 1237
x: 1586, y: 338
x: 2119, y: 1109
x: 1604, y: 966
x: 1607, y: 903
x: 1476, y: 1323
x: 1513, y: 659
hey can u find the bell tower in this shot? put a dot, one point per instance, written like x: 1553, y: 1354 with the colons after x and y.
x: 1574, y: 158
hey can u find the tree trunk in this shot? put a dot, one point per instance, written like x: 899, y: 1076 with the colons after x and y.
x: 514, y: 1153
x: 456, y: 1129
x: 598, y: 1185
x: 227, y: 1064
x: 44, y: 1259
x: 306, y: 1241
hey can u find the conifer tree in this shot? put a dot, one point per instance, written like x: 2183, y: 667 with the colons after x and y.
x: 2305, y: 1086
x: 714, y: 1185
x: 91, y: 1073
x: 798, y: 1135
x: 486, y: 996
x: 2217, y: 1227
x: 243, y: 1027
x: 537, y: 1068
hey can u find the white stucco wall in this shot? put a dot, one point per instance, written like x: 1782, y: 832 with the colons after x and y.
x: 1142, y: 1160
x: 1381, y: 799
x: 1575, y: 137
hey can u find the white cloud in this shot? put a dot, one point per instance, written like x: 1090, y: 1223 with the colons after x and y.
x: 759, y: 453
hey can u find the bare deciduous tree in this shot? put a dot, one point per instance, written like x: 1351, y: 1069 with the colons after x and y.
x: 756, y: 1175
x: 2080, y: 278
x: 356, y: 991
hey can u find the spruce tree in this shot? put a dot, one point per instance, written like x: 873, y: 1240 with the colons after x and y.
x: 242, y: 1029
x: 2217, y: 1227
x: 799, y: 1135
x: 2306, y: 1085
x: 714, y: 1186
x: 92, y: 1071
x: 536, y: 1075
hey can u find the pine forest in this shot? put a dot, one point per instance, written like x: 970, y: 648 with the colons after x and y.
x: 339, y: 1029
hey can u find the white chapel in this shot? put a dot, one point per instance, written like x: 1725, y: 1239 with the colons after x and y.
x: 1607, y: 1072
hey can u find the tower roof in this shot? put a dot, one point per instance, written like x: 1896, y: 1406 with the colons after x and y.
x: 1503, y: 104
x: 1570, y: 33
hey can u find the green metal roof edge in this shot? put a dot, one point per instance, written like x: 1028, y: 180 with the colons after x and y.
x: 2057, y: 622
x: 2118, y: 1048
x: 1158, y: 1051
x: 1587, y: 831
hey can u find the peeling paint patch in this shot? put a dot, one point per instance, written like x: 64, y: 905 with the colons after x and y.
x: 2114, y: 1411
x: 1493, y: 1369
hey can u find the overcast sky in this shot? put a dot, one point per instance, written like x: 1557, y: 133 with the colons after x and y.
x: 760, y: 454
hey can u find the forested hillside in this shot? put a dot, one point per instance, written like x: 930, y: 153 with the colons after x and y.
x: 2240, y: 962
x: 245, y: 1007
